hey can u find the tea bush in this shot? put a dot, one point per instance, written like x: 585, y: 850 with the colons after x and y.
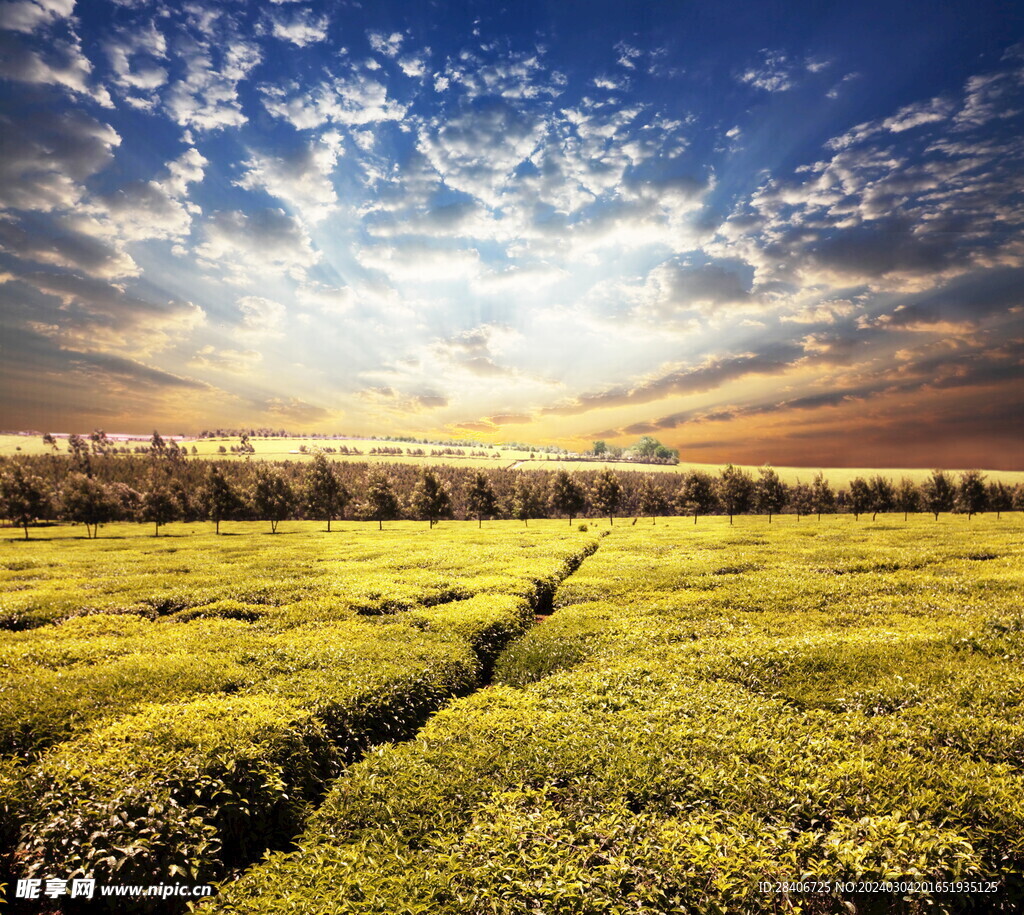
x: 706, y: 709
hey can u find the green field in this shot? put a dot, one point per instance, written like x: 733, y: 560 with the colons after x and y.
x: 288, y: 449
x: 706, y: 708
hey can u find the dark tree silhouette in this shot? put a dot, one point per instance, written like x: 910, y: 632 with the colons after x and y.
x: 697, y: 494
x: 273, y: 498
x: 325, y: 496
x: 735, y: 490
x: 431, y: 499
x: 971, y: 496
x: 219, y: 498
x: 480, y: 498
x: 381, y: 501
x: 770, y: 493
x: 907, y: 497
x: 567, y: 496
x: 939, y: 493
x: 824, y: 496
x: 606, y: 494
x: 87, y: 501
x: 23, y: 497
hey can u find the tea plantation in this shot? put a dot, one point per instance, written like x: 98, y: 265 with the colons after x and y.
x: 715, y: 718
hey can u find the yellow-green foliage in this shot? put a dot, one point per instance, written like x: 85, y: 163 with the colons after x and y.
x: 709, y: 707
x: 355, y: 569
x: 145, y: 775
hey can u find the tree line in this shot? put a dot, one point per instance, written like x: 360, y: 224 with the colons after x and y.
x: 91, y: 491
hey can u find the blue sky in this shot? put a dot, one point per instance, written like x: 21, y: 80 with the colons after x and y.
x: 785, y: 232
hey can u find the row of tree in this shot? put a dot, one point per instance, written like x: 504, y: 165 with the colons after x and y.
x: 161, y: 492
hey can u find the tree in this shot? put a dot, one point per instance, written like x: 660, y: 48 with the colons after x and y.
x: 431, y: 499
x: 219, y: 498
x: 48, y: 439
x: 970, y: 494
x: 600, y: 447
x: 770, y: 492
x: 157, y: 444
x: 127, y: 501
x: 381, y: 501
x: 480, y: 498
x: 883, y: 496
x: 697, y: 494
x: 527, y: 499
x: 1018, y: 497
x: 653, y: 500
x: 78, y: 448
x: 325, y: 496
x: 272, y: 496
x: 1000, y: 497
x: 859, y: 499
x: 87, y: 501
x: 646, y: 447
x: 735, y: 490
x: 907, y: 497
x: 824, y: 497
x: 606, y: 494
x: 802, y: 499
x: 23, y: 497
x: 567, y: 496
x: 158, y: 507
x: 939, y: 493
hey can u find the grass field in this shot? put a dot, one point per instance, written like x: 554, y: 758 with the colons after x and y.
x: 707, y: 708
x: 287, y: 449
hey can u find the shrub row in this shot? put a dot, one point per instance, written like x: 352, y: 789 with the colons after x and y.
x: 201, y: 786
x: 706, y: 733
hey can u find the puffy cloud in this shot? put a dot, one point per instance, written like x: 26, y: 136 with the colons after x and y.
x: 474, y: 351
x: 44, y: 160
x: 417, y: 261
x: 301, y: 178
x: 774, y: 73
x: 388, y: 45
x: 676, y: 287
x: 231, y: 361
x: 137, y: 57
x: 301, y: 27
x: 910, y: 116
x: 511, y: 76
x: 263, y: 241
x: 715, y: 372
x: 821, y: 312
x: 27, y: 16
x: 261, y: 316
x: 67, y: 247
x: 60, y: 63
x: 89, y: 313
x: 352, y: 101
x: 206, y: 96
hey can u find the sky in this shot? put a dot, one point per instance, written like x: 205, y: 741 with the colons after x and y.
x: 760, y: 232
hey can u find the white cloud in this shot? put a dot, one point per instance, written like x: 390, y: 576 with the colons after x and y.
x: 261, y: 316
x: 265, y: 241
x: 353, y: 101
x: 27, y: 16
x: 388, y: 45
x: 136, y: 57
x: 232, y: 361
x: 301, y: 179
x: 415, y: 66
x: 300, y: 27
x: 415, y: 261
x: 44, y: 163
x: 775, y: 73
x: 62, y: 63
x: 206, y: 97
